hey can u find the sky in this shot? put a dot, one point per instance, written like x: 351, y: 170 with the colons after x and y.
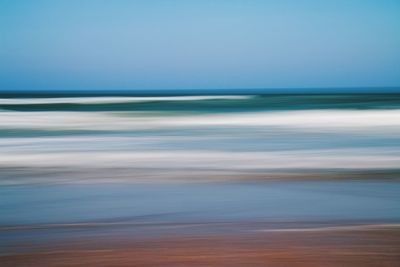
x: 195, y: 44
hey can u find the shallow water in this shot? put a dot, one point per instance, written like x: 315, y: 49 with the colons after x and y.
x: 35, y: 217
x: 263, y: 201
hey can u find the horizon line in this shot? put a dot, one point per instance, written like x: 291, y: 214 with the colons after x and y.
x: 203, y: 91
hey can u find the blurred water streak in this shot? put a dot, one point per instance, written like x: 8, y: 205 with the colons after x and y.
x: 135, y: 167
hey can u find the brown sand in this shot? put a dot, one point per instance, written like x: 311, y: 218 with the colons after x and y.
x: 361, y: 248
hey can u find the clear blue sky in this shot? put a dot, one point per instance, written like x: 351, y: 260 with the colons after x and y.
x: 173, y: 44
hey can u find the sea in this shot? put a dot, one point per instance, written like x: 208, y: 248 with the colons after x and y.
x: 135, y: 160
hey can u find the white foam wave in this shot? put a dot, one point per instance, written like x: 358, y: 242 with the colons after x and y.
x: 109, y: 100
x: 326, y: 120
x: 207, y: 160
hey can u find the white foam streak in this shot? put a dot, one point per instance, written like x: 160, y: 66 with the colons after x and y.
x: 109, y: 100
x: 208, y: 160
x: 336, y: 228
x: 330, y: 120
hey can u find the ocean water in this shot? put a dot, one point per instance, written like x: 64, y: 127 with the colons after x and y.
x: 197, y: 159
x: 147, y: 139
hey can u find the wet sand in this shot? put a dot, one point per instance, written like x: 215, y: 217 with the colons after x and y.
x: 286, y: 223
x: 363, y: 246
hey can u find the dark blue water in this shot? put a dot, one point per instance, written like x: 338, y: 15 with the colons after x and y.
x: 203, y: 104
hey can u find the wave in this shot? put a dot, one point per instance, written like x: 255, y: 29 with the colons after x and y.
x: 204, y: 103
x: 110, y: 100
x: 209, y: 160
x: 329, y: 120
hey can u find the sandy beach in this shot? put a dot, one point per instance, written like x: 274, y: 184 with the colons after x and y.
x: 365, y: 246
